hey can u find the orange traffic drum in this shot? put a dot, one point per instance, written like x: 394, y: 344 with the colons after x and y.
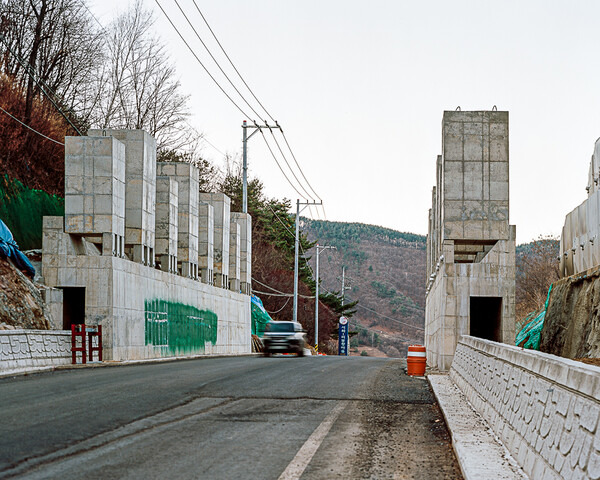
x: 416, y: 360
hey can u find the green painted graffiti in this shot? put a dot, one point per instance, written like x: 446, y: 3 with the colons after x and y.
x: 178, y: 327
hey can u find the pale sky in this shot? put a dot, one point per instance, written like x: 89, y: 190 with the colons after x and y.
x: 360, y: 89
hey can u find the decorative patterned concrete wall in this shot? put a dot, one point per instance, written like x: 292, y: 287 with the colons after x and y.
x: 544, y: 408
x: 24, y: 349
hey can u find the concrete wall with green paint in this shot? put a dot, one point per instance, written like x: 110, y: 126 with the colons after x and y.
x: 22, y: 209
x: 180, y: 328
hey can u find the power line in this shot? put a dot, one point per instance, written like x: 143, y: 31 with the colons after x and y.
x: 295, y: 160
x: 279, y: 165
x: 379, y: 332
x: 277, y: 311
x: 234, y: 67
x: 200, y: 62
x: 390, y: 318
x: 32, y: 129
x: 39, y: 83
x: 288, y: 164
x: 239, y: 93
x: 214, y: 59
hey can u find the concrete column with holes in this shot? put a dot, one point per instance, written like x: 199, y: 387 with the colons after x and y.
x: 471, y: 244
x: 140, y: 191
x: 95, y: 191
x: 244, y: 220
x: 167, y: 221
x: 221, y: 204
x: 206, y: 242
x: 187, y: 177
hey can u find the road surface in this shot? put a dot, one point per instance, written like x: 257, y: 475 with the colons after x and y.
x: 225, y: 418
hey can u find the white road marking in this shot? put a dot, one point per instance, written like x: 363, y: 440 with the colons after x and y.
x: 297, y: 466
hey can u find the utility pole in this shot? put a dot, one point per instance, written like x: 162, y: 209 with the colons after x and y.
x: 344, y: 288
x: 319, y: 250
x: 245, y: 138
x: 297, y: 245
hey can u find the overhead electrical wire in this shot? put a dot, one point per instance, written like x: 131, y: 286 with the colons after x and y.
x: 32, y: 129
x: 291, y: 169
x: 390, y: 318
x: 234, y: 67
x: 39, y: 83
x: 241, y: 95
x: 277, y: 311
x: 279, y: 165
x: 214, y: 59
x: 200, y: 62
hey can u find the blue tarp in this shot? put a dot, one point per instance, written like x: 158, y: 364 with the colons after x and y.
x: 10, y: 249
x: 260, y: 317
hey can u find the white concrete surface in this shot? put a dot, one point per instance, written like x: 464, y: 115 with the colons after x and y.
x: 479, y: 452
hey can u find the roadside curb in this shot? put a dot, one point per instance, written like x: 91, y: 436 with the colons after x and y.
x: 112, y: 363
x: 479, y: 452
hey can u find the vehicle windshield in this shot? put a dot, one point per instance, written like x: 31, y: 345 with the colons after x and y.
x: 275, y: 327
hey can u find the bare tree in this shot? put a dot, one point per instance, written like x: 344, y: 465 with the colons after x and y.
x: 52, y: 46
x: 537, y: 269
x: 141, y: 89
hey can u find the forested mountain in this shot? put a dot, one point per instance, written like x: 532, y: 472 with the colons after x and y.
x: 384, y: 271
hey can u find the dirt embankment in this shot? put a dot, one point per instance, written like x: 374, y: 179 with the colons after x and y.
x: 572, y: 323
x: 21, y: 305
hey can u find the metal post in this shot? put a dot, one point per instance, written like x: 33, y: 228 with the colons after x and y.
x: 317, y: 304
x: 343, y: 284
x: 296, y: 243
x: 244, y: 169
x: 319, y: 249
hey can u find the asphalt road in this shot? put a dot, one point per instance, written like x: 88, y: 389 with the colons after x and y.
x: 225, y: 418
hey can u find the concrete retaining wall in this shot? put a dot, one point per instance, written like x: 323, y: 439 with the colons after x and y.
x: 26, y: 349
x: 544, y: 408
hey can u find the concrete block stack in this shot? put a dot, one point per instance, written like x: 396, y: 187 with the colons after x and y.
x: 167, y: 223
x: 470, y: 245
x: 234, y: 256
x: 206, y: 242
x: 95, y: 191
x: 140, y: 191
x: 221, y: 204
x: 187, y: 177
x: 244, y: 220
x: 580, y: 239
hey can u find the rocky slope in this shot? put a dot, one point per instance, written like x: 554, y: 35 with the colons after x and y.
x: 21, y: 305
x: 572, y: 323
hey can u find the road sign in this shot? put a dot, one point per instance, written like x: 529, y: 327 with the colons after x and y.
x: 343, y: 336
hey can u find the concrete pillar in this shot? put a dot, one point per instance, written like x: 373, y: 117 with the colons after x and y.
x: 221, y: 204
x: 140, y: 191
x: 234, y: 256
x: 245, y: 222
x: 95, y: 191
x: 187, y: 177
x: 167, y: 221
x: 206, y: 242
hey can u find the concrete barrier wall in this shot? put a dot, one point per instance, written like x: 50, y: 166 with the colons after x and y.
x: 26, y: 349
x: 544, y: 408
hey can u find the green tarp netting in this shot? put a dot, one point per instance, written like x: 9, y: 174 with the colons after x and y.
x: 260, y: 317
x: 22, y: 210
x: 531, y: 332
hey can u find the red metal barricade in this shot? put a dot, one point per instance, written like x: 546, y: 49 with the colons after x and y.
x: 78, y: 332
x: 94, y: 332
x: 88, y: 346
